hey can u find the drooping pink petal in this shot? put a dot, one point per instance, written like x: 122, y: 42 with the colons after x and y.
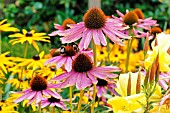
x: 62, y: 76
x: 92, y: 78
x: 53, y: 60
x: 46, y: 93
x: 73, y: 79
x: 44, y: 104
x: 100, y: 75
x: 99, y: 92
x: 38, y: 96
x: 108, y: 69
x: 88, y: 39
x: 61, y: 62
x: 68, y: 64
x: 24, y: 96
x: 54, y: 94
x: 102, y: 37
x: 31, y: 95
x: 96, y: 37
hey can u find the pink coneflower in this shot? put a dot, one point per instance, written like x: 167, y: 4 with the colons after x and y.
x: 135, y: 19
x: 95, y: 25
x: 67, y: 54
x: 39, y: 88
x: 61, y: 28
x: 84, y: 73
x: 52, y: 101
x: 103, y: 85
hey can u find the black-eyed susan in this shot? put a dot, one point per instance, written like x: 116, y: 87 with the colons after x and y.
x: 5, y: 27
x: 30, y: 37
x: 18, y: 83
x: 37, y: 61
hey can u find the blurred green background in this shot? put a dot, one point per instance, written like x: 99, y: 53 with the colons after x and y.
x: 41, y: 15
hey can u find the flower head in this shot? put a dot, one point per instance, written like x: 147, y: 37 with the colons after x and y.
x: 61, y: 28
x: 4, y: 26
x: 39, y: 88
x: 52, y: 101
x: 30, y: 37
x: 84, y: 73
x: 95, y: 24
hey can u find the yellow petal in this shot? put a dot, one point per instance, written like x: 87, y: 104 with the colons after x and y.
x: 35, y: 46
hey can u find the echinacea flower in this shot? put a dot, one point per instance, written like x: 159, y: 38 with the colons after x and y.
x: 84, y: 73
x: 104, y: 85
x: 136, y: 19
x: 30, y: 37
x: 4, y: 26
x: 164, y: 79
x: 95, y: 25
x: 52, y: 101
x: 39, y: 88
x: 128, y: 104
x: 61, y: 28
x: 67, y: 55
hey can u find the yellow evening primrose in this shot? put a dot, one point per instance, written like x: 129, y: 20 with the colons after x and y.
x: 127, y: 104
x: 163, y: 41
x: 5, y: 27
x: 30, y: 37
x: 37, y: 61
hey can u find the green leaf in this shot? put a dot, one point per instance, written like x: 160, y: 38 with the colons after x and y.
x: 38, y: 5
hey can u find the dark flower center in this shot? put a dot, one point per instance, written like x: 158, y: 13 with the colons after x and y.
x: 2, y: 100
x: 7, y: 55
x: 38, y: 83
x: 36, y: 57
x: 101, y: 82
x: 52, y: 68
x: 52, y: 99
x: 94, y: 18
x: 67, y: 21
x: 28, y: 34
x: 130, y: 18
x: 82, y: 63
x: 156, y: 30
x: 67, y: 50
x: 139, y: 13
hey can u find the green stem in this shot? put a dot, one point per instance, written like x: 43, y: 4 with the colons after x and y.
x: 80, y: 101
x: 53, y: 109
x: 71, y: 94
x: 39, y: 107
x: 94, y: 85
x: 0, y: 43
x: 128, y: 53
x: 26, y: 49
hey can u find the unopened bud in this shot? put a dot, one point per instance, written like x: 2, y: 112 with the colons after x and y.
x: 138, y: 84
x: 157, y: 74
x: 129, y: 85
x: 156, y: 42
x: 168, y: 51
x: 146, y: 44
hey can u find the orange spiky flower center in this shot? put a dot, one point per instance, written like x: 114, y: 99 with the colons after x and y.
x: 139, y: 13
x: 82, y: 63
x: 38, y: 83
x: 66, y: 22
x: 94, y: 18
x: 130, y: 18
x: 156, y: 30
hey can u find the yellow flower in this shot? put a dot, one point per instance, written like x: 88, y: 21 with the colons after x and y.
x: 19, y: 83
x: 36, y: 62
x: 160, y: 109
x: 102, y: 53
x: 127, y: 104
x: 163, y: 41
x: 4, y: 26
x: 4, y: 61
x: 30, y: 37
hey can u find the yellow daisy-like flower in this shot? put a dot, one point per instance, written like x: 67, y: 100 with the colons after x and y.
x: 163, y: 41
x: 5, y: 61
x: 37, y: 61
x: 102, y: 53
x: 127, y: 104
x: 30, y: 37
x: 18, y: 83
x: 4, y: 26
x: 8, y: 109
